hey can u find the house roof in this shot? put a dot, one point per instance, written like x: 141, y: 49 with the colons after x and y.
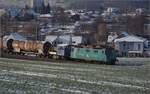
x: 130, y: 39
x: 64, y: 38
x: 46, y: 15
x: 50, y: 38
x: 77, y: 40
x: 15, y: 36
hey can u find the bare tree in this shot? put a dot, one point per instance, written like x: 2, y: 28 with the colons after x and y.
x: 135, y: 25
x: 101, y: 32
x: 61, y: 17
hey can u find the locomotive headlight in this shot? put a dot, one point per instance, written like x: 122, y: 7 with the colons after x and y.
x: 52, y: 53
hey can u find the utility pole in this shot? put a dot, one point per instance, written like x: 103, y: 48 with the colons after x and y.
x: 36, y: 28
x: 1, y: 33
x: 70, y: 42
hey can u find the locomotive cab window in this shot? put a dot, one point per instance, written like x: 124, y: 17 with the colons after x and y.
x: 73, y: 42
x: 72, y: 49
x: 96, y: 51
x: 61, y: 48
x: 78, y: 49
x: 103, y: 52
x: 87, y: 50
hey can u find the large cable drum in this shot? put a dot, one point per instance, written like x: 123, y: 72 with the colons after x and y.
x: 18, y: 45
x: 32, y: 46
x: 27, y: 46
x: 45, y: 47
x: 39, y: 45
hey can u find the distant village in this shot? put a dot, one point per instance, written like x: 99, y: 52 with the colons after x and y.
x: 128, y: 31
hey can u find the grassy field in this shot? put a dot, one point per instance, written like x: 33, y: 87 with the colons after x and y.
x: 129, y: 76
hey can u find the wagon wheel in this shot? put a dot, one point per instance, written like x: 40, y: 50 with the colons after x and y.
x: 46, y: 48
x: 9, y: 45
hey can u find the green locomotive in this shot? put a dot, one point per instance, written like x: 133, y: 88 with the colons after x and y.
x: 105, y: 54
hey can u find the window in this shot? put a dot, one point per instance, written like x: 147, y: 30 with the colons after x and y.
x: 128, y: 46
x: 73, y: 42
x: 139, y: 46
x: 60, y: 42
x: 72, y: 49
x: 96, y: 51
x: 145, y: 27
x: 61, y: 48
x: 78, y: 50
x: 87, y: 50
x: 124, y: 46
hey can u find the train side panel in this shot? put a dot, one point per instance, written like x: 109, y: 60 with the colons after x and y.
x: 89, y: 54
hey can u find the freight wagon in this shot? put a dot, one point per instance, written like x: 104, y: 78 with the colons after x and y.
x: 28, y: 47
x: 105, y: 54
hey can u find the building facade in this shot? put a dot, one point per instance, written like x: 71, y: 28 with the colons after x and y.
x: 130, y: 46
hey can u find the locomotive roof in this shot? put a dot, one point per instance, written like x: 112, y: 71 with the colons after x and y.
x: 91, y: 46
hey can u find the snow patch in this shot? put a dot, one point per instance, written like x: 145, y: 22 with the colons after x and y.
x: 83, y: 81
x: 75, y: 91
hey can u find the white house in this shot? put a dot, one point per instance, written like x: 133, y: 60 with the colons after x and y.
x: 50, y: 38
x: 64, y: 39
x: 112, y: 37
x: 45, y: 15
x: 130, y: 45
x: 2, y: 11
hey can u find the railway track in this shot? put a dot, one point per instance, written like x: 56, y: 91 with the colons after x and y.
x: 26, y: 57
x: 46, y: 59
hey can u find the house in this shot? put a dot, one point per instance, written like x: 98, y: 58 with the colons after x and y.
x: 112, y: 37
x: 45, y: 18
x: 14, y: 36
x: 2, y: 11
x: 130, y: 45
x: 13, y: 11
x: 64, y: 39
x: 50, y: 38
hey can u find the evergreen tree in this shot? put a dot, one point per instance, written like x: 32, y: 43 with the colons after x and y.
x: 48, y: 8
x: 27, y: 7
x: 35, y: 9
x: 43, y: 9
